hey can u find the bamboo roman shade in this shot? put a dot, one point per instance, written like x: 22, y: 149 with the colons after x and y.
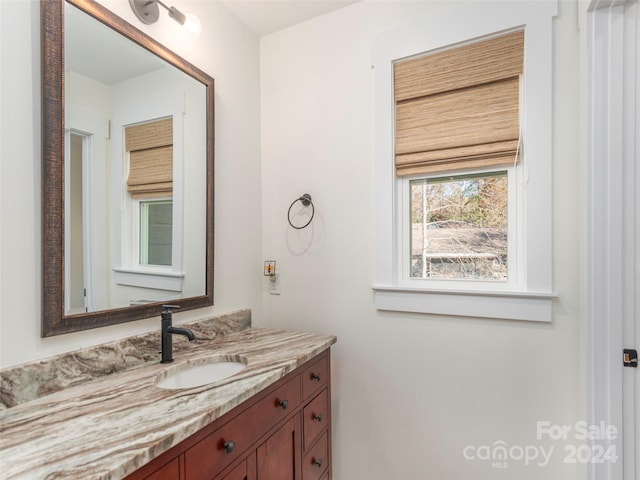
x: 459, y: 108
x: 150, y: 147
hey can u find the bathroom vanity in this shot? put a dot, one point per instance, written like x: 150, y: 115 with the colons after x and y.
x: 281, y: 433
x: 72, y: 417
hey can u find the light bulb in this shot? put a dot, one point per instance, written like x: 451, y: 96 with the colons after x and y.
x: 192, y: 23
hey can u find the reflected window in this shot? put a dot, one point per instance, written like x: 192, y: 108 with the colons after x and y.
x: 150, y: 185
x: 156, y: 231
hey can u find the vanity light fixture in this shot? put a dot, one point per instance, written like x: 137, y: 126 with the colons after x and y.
x: 148, y: 12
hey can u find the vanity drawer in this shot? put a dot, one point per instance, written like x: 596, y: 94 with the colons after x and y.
x: 317, y: 460
x: 315, y: 418
x: 171, y: 471
x: 209, y: 456
x: 315, y: 376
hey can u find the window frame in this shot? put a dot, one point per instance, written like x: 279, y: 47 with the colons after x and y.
x: 531, y: 297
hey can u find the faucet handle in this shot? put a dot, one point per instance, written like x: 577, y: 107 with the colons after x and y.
x: 166, y: 312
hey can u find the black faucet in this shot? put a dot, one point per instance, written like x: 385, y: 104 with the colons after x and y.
x: 168, y: 329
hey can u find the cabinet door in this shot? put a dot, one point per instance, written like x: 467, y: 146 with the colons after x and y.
x: 246, y: 470
x: 279, y: 457
x: 238, y: 473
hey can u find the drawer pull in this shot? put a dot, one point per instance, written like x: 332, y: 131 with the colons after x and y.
x: 317, y: 462
x: 284, y: 404
x: 316, y: 377
x: 229, y: 446
x: 317, y: 417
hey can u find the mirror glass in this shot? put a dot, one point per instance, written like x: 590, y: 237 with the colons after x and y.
x: 135, y: 160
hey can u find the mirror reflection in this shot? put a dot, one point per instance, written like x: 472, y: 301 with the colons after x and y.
x: 135, y: 174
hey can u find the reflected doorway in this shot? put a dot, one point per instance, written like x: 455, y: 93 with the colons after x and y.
x: 78, y: 291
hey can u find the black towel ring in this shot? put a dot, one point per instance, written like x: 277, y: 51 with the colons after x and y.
x: 306, y: 201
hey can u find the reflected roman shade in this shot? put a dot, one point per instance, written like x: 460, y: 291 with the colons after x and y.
x: 459, y: 108
x: 150, y: 147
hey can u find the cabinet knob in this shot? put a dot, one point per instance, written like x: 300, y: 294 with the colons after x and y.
x: 284, y: 404
x: 316, y: 377
x: 229, y: 446
x: 317, y: 417
x: 317, y: 462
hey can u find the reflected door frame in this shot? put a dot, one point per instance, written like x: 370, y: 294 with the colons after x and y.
x: 87, y: 220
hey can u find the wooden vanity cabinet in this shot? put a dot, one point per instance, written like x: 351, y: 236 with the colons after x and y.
x: 282, y: 433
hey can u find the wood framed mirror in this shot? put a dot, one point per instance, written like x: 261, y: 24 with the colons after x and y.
x: 111, y: 254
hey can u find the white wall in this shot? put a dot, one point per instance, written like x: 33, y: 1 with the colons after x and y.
x: 410, y: 391
x: 225, y: 50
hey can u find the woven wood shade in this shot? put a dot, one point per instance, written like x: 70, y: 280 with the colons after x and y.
x: 150, y: 148
x: 459, y: 108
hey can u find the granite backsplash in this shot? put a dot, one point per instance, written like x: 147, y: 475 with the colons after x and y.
x: 29, y: 381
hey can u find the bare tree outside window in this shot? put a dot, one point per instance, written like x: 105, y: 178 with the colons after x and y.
x: 459, y: 227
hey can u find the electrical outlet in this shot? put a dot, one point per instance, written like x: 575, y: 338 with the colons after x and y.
x: 275, y: 284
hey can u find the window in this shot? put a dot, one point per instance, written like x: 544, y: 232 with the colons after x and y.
x: 148, y: 191
x: 463, y: 201
x: 150, y: 186
x: 150, y: 149
x: 156, y: 231
x: 458, y: 109
x: 150, y: 230
x: 459, y: 227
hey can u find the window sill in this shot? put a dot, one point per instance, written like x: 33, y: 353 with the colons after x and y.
x: 158, y: 280
x: 507, y: 305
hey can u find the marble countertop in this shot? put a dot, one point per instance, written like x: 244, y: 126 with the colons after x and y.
x: 108, y: 427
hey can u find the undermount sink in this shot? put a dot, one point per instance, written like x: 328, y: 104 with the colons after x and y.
x: 191, y: 376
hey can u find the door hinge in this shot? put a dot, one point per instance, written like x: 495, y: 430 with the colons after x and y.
x: 630, y: 358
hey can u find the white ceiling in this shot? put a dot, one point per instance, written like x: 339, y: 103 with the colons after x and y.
x: 267, y: 16
x: 109, y: 58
